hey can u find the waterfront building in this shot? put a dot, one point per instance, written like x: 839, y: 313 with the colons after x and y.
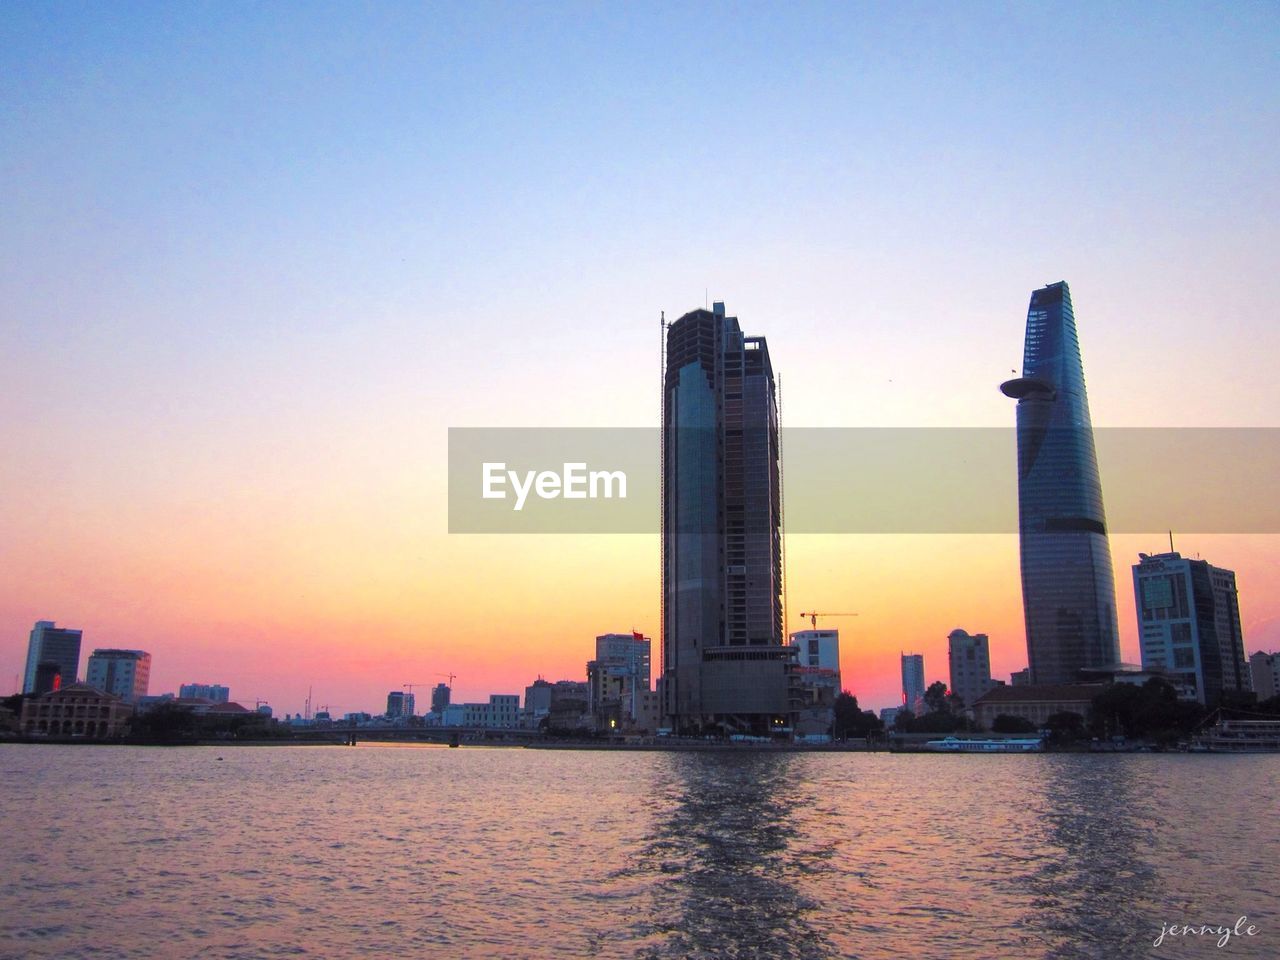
x: 123, y: 673
x: 970, y: 661
x: 50, y: 643
x: 617, y: 678
x: 1068, y: 590
x: 1035, y: 702
x: 1264, y: 671
x: 48, y: 677
x: 439, y: 698
x: 452, y: 715
x: 1189, y: 624
x: 726, y: 668
x: 76, y: 710
x: 214, y: 692
x: 818, y: 659
x: 537, y: 703
x: 913, y: 682
x: 502, y: 712
x: 400, y: 704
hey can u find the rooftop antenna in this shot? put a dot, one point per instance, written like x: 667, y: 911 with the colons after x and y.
x: 1171, y: 541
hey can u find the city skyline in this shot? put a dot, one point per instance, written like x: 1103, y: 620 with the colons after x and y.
x: 229, y: 393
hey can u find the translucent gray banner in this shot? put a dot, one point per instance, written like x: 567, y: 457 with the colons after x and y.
x: 866, y: 480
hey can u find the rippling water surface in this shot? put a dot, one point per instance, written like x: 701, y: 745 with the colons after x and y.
x: 429, y: 852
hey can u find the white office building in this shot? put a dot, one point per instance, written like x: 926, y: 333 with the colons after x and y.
x: 121, y: 673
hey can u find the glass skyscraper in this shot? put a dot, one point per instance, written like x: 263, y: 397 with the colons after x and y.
x: 53, y: 645
x: 1068, y: 591
x: 725, y: 668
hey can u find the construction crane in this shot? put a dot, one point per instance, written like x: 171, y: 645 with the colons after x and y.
x: 813, y: 617
x: 410, y: 686
x: 449, y: 675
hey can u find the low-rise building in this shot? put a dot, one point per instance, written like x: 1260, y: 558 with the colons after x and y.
x: 76, y: 710
x: 502, y: 712
x: 215, y: 692
x: 1035, y: 702
x: 1264, y: 668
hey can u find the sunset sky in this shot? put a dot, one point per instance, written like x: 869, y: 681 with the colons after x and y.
x: 255, y: 260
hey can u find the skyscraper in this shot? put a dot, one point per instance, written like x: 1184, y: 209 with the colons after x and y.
x: 1189, y: 624
x: 400, y: 704
x: 121, y: 673
x: 970, y: 660
x: 725, y: 666
x: 439, y: 697
x: 52, y: 644
x: 1068, y: 591
x: 913, y: 682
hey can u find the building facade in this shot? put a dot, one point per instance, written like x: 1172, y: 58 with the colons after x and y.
x: 970, y: 661
x: 400, y: 704
x: 818, y: 657
x: 1264, y: 672
x: 56, y: 645
x: 502, y: 712
x: 913, y: 682
x: 121, y: 673
x: 76, y: 710
x: 1068, y: 588
x: 1036, y: 702
x: 1189, y: 624
x: 440, y: 698
x: 726, y: 668
x: 214, y: 692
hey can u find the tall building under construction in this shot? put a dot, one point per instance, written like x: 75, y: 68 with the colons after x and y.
x: 725, y: 667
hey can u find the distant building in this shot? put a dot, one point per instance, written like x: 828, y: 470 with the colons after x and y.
x: 818, y: 658
x: 151, y: 701
x: 913, y: 682
x: 1020, y: 678
x: 439, y: 698
x: 502, y: 712
x: 970, y: 659
x: 399, y: 704
x: 617, y: 678
x: 76, y: 710
x: 1189, y: 624
x: 50, y: 643
x: 569, y: 705
x: 1036, y: 702
x: 122, y: 673
x: 48, y: 677
x: 537, y: 703
x: 1264, y: 669
x: 215, y: 692
x: 889, y: 716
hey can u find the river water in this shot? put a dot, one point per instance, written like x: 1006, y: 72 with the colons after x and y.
x: 416, y: 851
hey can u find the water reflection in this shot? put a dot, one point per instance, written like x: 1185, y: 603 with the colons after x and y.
x: 722, y: 847
x: 1095, y: 890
